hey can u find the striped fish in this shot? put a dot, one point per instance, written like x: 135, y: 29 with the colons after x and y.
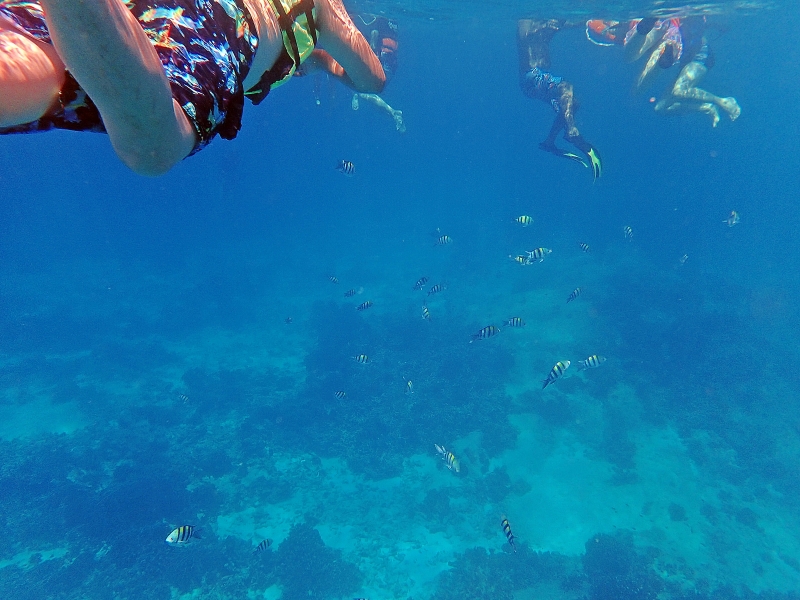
x: 426, y: 314
x: 584, y: 247
x: 486, y: 332
x: 524, y: 220
x: 575, y: 293
x: 514, y: 322
x: 627, y: 232
x: 341, y: 394
x: 538, y: 254
x: 556, y: 372
x: 443, y: 240
x: 450, y: 460
x: 361, y: 359
x: 364, y: 305
x: 439, y: 287
x: 263, y: 546
x: 592, y: 362
x: 346, y: 167
x: 409, y: 387
x: 522, y: 260
x: 333, y: 279
x: 507, y: 530
x: 350, y: 293
x: 182, y: 535
x: 420, y: 283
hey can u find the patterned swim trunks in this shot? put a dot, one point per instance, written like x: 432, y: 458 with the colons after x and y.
x: 541, y: 85
x: 205, y: 46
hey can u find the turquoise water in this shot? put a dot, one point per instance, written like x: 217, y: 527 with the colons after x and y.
x: 150, y: 378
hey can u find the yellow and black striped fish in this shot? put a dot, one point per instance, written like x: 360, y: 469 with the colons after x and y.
x: 346, y: 167
x: 364, y: 305
x: 575, y: 293
x: 443, y: 240
x: 426, y: 314
x: 450, y: 460
x: 627, y: 232
x: 486, y: 332
x: 420, y: 283
x: 182, y: 535
x: 341, y: 394
x: 514, y: 322
x: 592, y: 362
x: 350, y: 293
x: 556, y: 372
x: 538, y: 254
x: 439, y: 287
x: 522, y: 260
x: 361, y: 358
x: 409, y: 387
x: 584, y: 247
x: 263, y: 546
x: 507, y: 530
x: 333, y: 279
x: 524, y: 220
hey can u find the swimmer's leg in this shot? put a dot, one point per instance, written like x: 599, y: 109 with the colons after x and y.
x: 685, y: 88
x: 674, y: 107
x: 31, y: 76
x: 109, y: 54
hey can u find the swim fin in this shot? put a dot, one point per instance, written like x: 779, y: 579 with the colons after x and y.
x: 597, y: 164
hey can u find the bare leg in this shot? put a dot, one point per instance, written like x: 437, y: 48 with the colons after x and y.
x: 109, y: 54
x: 31, y: 75
x: 685, y: 89
x: 397, y: 115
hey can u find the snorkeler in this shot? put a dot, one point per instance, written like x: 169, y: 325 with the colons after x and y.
x: 678, y: 41
x: 162, y: 77
x: 533, y: 44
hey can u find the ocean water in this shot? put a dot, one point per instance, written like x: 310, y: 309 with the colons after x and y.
x: 150, y: 379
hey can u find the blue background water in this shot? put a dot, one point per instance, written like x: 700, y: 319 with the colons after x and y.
x: 149, y: 379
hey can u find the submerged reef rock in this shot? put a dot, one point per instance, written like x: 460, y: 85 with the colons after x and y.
x: 307, y: 568
x: 615, y: 569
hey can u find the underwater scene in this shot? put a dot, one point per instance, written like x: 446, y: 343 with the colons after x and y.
x: 523, y: 326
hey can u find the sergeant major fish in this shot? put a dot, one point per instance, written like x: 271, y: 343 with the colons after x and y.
x: 592, y: 362
x: 361, y: 359
x: 486, y: 332
x: 182, y: 535
x: 263, y: 546
x: 439, y: 287
x: 575, y: 293
x: 627, y: 232
x: 346, y: 167
x: 584, y: 247
x: 556, y: 372
x: 524, y: 220
x: 443, y: 240
x: 426, y: 314
x: 420, y: 283
x: 507, y: 530
x: 538, y: 254
x: 514, y: 322
x: 450, y: 460
x: 364, y: 305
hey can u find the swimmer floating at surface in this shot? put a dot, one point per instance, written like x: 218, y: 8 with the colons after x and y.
x: 162, y: 77
x: 676, y: 41
x: 537, y: 82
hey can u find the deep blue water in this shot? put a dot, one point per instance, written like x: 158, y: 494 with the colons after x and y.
x: 149, y: 379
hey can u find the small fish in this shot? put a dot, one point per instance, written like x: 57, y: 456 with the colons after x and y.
x: 514, y: 322
x: 556, y: 372
x: 288, y: 320
x: 592, y: 362
x: 183, y: 398
x: 333, y: 279
x: 486, y: 332
x: 627, y: 232
x: 507, y: 530
x: 364, y: 305
x: 524, y: 220
x: 409, y: 387
x: 263, y: 546
x: 420, y: 283
x: 361, y: 359
x: 584, y: 247
x: 350, y: 293
x: 732, y: 219
x: 346, y: 167
x: 522, y: 260
x: 575, y: 293
x: 426, y: 314
x: 439, y: 287
x: 443, y: 240
x: 450, y: 460
x: 182, y: 535
x: 340, y: 395
x: 538, y: 254
x: 683, y: 259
